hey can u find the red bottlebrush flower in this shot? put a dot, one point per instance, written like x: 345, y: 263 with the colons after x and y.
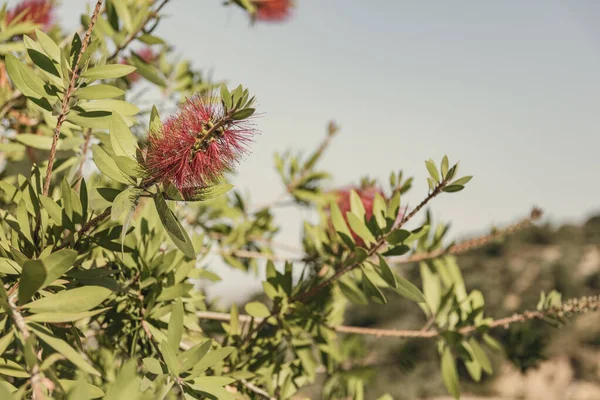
x: 273, y: 10
x: 36, y: 11
x: 196, y: 146
x: 146, y: 54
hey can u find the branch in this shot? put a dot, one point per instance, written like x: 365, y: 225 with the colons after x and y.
x: 471, y: 244
x: 570, y: 307
x: 67, y: 97
x: 36, y: 375
x: 134, y: 34
x: 89, y: 225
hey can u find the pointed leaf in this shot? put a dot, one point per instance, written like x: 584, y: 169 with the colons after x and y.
x: 32, y: 279
x: 71, y: 301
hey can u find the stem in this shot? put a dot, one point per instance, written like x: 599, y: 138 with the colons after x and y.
x: 570, y: 307
x: 68, y: 94
x: 471, y: 244
x: 89, y: 225
x: 36, y: 376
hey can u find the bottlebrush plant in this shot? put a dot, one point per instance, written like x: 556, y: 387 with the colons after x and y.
x: 98, y: 262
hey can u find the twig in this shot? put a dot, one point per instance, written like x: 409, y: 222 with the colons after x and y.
x: 253, y: 388
x: 89, y: 225
x: 134, y: 34
x: 67, y: 97
x: 36, y: 376
x: 471, y: 244
x: 570, y: 307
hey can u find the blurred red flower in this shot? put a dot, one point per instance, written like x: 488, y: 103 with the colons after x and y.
x: 273, y: 10
x: 36, y: 11
x: 197, y: 145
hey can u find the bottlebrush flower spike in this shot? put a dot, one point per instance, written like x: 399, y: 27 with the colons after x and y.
x: 273, y: 10
x: 36, y: 11
x: 202, y: 141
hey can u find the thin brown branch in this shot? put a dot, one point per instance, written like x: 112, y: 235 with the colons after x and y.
x: 68, y: 94
x: 570, y: 307
x: 471, y: 244
x: 133, y: 35
x: 89, y: 225
x: 253, y: 388
x: 36, y: 375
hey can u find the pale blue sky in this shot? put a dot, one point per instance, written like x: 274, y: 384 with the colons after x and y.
x: 510, y: 88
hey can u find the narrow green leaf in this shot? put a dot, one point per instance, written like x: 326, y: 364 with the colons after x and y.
x: 483, y: 359
x: 173, y: 227
x: 359, y: 227
x: 210, y: 360
x: 122, y: 203
x: 226, y: 97
x: 9, y: 267
x: 57, y: 264
x: 106, y: 165
x: 110, y: 71
x: 379, y: 210
x: 111, y: 106
x: 462, y: 181
x: 356, y: 205
x: 71, y: 301
x: 453, y: 188
x: 153, y: 366
x: 122, y: 140
x: 25, y: 80
x: 191, y: 357
x: 175, y: 330
x: 63, y: 348
x: 435, y: 175
x: 243, y: 114
x: 386, y: 273
x: 170, y: 358
x: 6, y: 341
x: 397, y: 236
x: 53, y: 209
x: 80, y: 389
x: 444, y: 167
x: 48, y: 44
x: 257, y: 309
x: 32, y: 279
x: 372, y: 291
x: 98, y: 92
x: 61, y: 317
x: 449, y: 374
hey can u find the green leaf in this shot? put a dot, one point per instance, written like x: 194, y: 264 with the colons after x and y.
x: 124, y: 15
x: 92, y: 119
x: 226, y: 97
x: 6, y: 341
x: 110, y: 71
x: 71, y: 301
x: 449, y: 374
x: 63, y: 348
x: 155, y: 123
x: 386, y: 273
x: 153, y: 366
x: 147, y: 71
x: 48, y: 44
x: 9, y: 267
x: 191, y: 357
x: 243, y: 114
x: 394, y: 206
x: 453, y: 188
x: 11, y: 368
x: 462, y: 181
x: 150, y: 39
x: 257, y: 309
x: 106, y: 165
x: 175, y: 330
x: 372, y: 291
x: 35, y: 141
x: 53, y: 209
x: 111, y: 106
x: 129, y: 166
x: 397, y: 236
x: 57, y: 264
x: 81, y: 389
x: 61, y: 317
x: 432, y: 288
x: 379, y: 210
x: 122, y: 140
x: 435, y: 175
x: 210, y: 381
x: 175, y: 291
x: 444, y: 167
x: 407, y: 289
x: 32, y: 279
x: 122, y: 203
x: 356, y: 205
x: 24, y: 79
x: 480, y: 355
x: 169, y: 357
x: 359, y: 227
x: 397, y: 250
x: 173, y: 227
x: 210, y: 360
x: 98, y: 92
